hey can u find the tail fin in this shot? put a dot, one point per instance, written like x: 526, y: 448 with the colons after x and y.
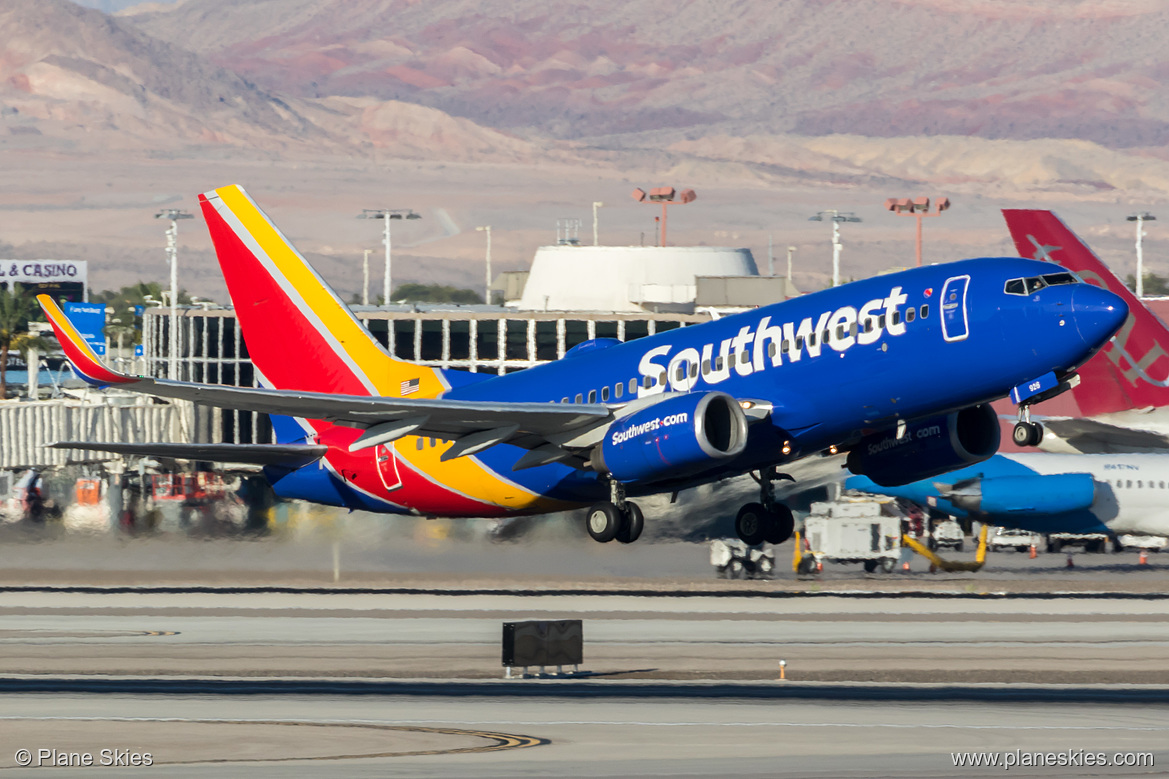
x: 1132, y: 371
x: 299, y: 333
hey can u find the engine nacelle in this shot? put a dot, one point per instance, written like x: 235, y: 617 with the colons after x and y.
x: 1039, y: 495
x: 927, y: 448
x: 677, y: 436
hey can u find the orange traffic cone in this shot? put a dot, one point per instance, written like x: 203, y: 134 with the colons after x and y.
x: 1144, y: 557
x: 905, y: 566
x: 819, y: 566
x: 1033, y: 553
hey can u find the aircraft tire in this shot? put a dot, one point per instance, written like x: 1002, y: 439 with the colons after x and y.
x: 632, y: 526
x: 752, y: 524
x: 807, y: 565
x: 888, y: 564
x: 603, y: 522
x: 1027, y: 434
x: 781, y: 525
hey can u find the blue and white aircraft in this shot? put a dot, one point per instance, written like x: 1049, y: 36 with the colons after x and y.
x: 896, y: 370
x: 1049, y: 493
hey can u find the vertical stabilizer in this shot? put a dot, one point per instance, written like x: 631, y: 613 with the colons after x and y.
x: 299, y: 333
x: 1132, y: 370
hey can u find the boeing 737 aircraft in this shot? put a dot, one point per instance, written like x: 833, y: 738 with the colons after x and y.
x: 1120, y: 404
x: 1050, y: 493
x: 896, y: 370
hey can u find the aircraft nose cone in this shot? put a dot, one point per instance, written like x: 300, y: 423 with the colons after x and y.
x: 1098, y: 313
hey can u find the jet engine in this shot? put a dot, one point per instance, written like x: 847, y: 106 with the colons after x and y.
x: 1038, y: 494
x: 927, y: 448
x: 677, y: 436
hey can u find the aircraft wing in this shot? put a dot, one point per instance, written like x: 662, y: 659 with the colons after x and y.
x: 1091, y: 436
x: 252, y: 454
x: 474, y: 424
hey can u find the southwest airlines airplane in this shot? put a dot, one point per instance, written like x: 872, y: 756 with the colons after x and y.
x: 896, y: 370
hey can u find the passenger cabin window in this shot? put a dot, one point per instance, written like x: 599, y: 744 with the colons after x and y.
x: 633, y: 386
x: 744, y: 357
x: 420, y: 443
x: 799, y: 342
x: 910, y: 314
x: 680, y: 373
x: 579, y: 398
x: 592, y: 396
x: 852, y: 329
x: 881, y: 321
x: 694, y: 370
x: 1129, y: 484
x: 564, y: 400
x: 706, y: 367
x: 925, y: 310
x: 811, y: 339
x: 869, y: 325
x: 718, y: 363
x: 604, y: 394
x: 895, y: 318
x: 839, y: 332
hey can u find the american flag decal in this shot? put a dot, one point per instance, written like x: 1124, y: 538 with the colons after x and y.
x: 410, y: 386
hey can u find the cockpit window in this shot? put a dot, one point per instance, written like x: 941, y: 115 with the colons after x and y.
x: 1036, y: 283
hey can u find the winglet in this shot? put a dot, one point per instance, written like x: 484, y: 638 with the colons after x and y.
x: 85, y: 363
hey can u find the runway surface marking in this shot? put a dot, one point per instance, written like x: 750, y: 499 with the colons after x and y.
x: 499, y: 741
x: 521, y: 742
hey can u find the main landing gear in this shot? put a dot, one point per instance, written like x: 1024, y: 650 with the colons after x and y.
x: 1027, y: 433
x: 766, y: 520
x: 616, y: 518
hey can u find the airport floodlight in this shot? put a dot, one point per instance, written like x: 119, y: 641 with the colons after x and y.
x: 388, y: 214
x: 836, y: 217
x: 596, y: 235
x: 666, y: 196
x: 1140, y: 219
x: 172, y: 253
x: 487, y: 285
x: 918, y: 208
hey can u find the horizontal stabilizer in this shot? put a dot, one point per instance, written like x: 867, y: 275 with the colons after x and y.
x: 253, y: 454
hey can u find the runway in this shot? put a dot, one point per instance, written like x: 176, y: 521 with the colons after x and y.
x: 279, y: 683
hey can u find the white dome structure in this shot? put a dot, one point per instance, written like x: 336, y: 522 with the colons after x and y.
x: 626, y: 278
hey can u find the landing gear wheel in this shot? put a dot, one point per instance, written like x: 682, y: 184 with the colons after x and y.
x: 888, y: 564
x: 1027, y: 434
x: 752, y: 524
x: 632, y: 526
x: 781, y: 526
x: 807, y: 565
x: 603, y: 522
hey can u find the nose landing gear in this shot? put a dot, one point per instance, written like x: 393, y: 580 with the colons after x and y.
x: 616, y: 518
x: 766, y: 520
x: 1026, y: 432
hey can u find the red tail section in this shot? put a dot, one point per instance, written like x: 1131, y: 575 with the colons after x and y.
x: 1132, y: 370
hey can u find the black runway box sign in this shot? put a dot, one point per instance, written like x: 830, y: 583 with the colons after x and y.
x: 543, y: 642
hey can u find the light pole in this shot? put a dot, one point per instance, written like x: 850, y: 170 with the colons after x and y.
x: 487, y: 286
x: 1140, y: 219
x: 791, y: 250
x: 172, y: 252
x: 665, y: 196
x: 836, y: 217
x: 919, y: 208
x: 387, y: 214
x: 596, y: 232
x: 365, y: 279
